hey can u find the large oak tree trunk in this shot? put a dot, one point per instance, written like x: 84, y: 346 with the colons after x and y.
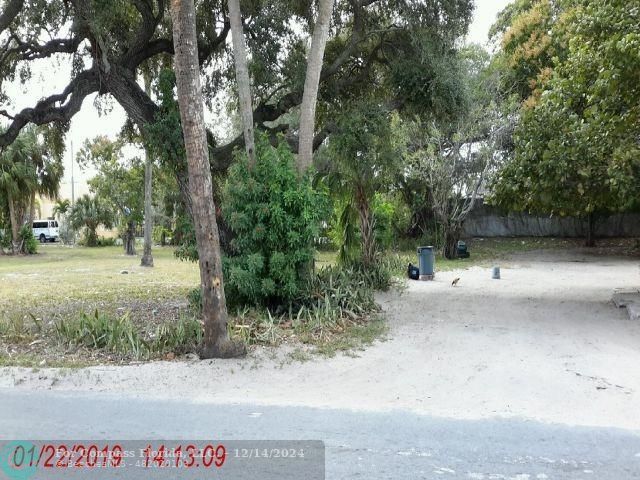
x: 216, y: 342
x: 311, y: 82
x: 242, y: 78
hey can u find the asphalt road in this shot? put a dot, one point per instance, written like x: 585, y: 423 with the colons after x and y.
x: 359, y: 445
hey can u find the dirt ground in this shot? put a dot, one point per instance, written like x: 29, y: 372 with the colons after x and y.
x: 544, y: 342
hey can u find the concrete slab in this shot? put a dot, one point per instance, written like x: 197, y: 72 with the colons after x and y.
x: 629, y: 299
x: 634, y: 310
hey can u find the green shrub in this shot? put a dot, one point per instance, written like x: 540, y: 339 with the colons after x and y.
x: 344, y: 290
x: 106, y: 242
x: 194, y: 297
x: 160, y: 234
x: 97, y: 242
x: 274, y: 217
x: 382, y: 274
x: 29, y: 242
x: 392, y: 218
x: 185, y: 238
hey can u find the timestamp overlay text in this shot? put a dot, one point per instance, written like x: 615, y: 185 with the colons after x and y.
x: 162, y: 459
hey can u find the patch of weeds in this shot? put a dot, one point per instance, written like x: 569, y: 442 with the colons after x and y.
x: 178, y: 337
x: 254, y: 327
x: 32, y: 360
x: 121, y: 336
x: 101, y: 332
x: 355, y: 336
x: 300, y: 355
x: 19, y: 328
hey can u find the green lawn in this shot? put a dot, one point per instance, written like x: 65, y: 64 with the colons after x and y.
x: 60, y: 275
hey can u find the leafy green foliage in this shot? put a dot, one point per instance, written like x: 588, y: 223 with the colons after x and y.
x: 428, y: 72
x: 164, y: 136
x: 274, y: 217
x: 119, y: 183
x: 29, y: 242
x: 532, y: 34
x: 359, y: 161
x: 577, y: 149
x: 89, y: 213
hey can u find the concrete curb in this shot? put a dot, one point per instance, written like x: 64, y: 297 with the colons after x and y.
x: 629, y: 299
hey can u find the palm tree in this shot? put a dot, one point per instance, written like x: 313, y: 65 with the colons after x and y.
x: 27, y: 168
x: 216, y: 342
x: 89, y: 213
x: 61, y: 208
x: 361, y: 156
x: 16, y: 182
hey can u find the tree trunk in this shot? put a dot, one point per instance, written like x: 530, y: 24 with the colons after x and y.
x: 451, y: 237
x: 216, y: 342
x: 130, y: 238
x: 15, y: 229
x: 92, y: 237
x: 32, y: 208
x: 147, y: 257
x: 367, y: 232
x: 591, y: 227
x: 311, y: 82
x: 242, y: 79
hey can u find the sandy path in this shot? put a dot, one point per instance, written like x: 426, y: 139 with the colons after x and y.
x: 544, y: 343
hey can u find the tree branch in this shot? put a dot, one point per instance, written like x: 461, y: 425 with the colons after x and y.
x: 46, y: 111
x: 10, y: 11
x: 30, y: 51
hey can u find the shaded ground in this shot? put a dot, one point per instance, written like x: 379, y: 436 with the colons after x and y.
x: 544, y: 342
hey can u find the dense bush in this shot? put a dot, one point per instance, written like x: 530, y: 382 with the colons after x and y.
x: 392, y: 220
x: 99, y: 241
x: 274, y: 217
x: 28, y: 241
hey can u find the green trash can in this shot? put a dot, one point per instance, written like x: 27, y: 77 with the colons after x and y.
x: 426, y: 261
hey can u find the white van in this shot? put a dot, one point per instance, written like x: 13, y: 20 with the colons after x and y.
x: 45, y: 230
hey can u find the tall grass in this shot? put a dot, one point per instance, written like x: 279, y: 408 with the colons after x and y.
x: 121, y: 336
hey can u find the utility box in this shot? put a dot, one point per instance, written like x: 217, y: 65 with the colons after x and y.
x: 426, y: 261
